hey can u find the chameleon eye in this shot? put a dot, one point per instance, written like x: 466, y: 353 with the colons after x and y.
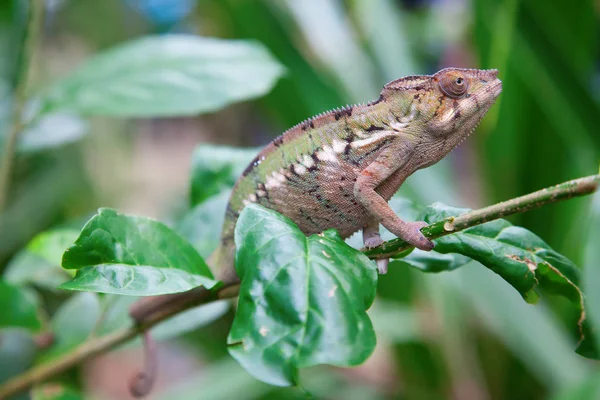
x: 453, y: 86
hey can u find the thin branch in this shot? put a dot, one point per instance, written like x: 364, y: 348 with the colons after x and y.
x: 100, y: 345
x: 195, y: 297
x: 552, y: 194
x: 35, y: 20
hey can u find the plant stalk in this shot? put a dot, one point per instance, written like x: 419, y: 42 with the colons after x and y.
x: 35, y: 20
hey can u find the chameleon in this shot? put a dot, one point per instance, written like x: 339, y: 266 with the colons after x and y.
x: 339, y: 169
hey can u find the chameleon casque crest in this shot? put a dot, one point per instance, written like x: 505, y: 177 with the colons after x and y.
x: 339, y: 169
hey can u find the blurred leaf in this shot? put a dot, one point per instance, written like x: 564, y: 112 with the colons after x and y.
x: 201, y: 226
x: 116, y: 316
x: 19, y: 308
x: 302, y: 301
x: 190, y: 320
x: 306, y: 90
x: 238, y: 385
x: 395, y: 322
x: 324, y: 28
x: 547, y: 106
x: 17, y: 352
x: 54, y: 391
x: 591, y: 269
x: 122, y: 254
x: 532, y: 334
x: 51, y: 131
x: 166, y: 76
x: 72, y: 324
x: 216, y: 168
x: 383, y: 26
x: 39, y: 262
x: 587, y: 389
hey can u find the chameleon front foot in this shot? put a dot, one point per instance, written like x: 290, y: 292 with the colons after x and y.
x: 372, y: 239
x: 411, y: 233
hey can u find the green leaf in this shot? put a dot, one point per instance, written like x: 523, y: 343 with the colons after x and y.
x: 520, y: 257
x: 302, y: 300
x: 19, y: 308
x: 54, y: 391
x: 516, y: 254
x: 52, y: 130
x: 44, y: 133
x: 72, y: 324
x: 216, y: 168
x: 39, y: 263
x: 167, y: 75
x: 201, y: 226
x: 130, y: 255
x: 432, y: 261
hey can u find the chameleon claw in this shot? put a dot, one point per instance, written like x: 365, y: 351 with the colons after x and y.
x: 416, y: 238
x: 373, y: 242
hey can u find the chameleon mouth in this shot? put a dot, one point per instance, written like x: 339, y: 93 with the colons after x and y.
x: 495, y: 88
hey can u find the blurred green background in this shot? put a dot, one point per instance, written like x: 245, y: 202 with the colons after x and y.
x: 459, y: 335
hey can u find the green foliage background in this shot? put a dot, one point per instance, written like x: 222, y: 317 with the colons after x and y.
x: 463, y: 334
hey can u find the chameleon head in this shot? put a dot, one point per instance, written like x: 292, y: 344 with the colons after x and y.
x: 451, y: 102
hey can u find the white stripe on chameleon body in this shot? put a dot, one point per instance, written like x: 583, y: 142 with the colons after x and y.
x: 327, y: 154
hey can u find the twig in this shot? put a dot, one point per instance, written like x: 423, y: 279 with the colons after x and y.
x: 564, y: 191
x: 98, y: 345
x: 35, y: 20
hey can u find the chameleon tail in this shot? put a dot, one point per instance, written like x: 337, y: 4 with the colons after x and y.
x: 222, y: 261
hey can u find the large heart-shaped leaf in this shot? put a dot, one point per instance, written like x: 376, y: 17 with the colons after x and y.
x: 216, y: 168
x: 123, y: 254
x: 302, y: 300
x: 165, y: 76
